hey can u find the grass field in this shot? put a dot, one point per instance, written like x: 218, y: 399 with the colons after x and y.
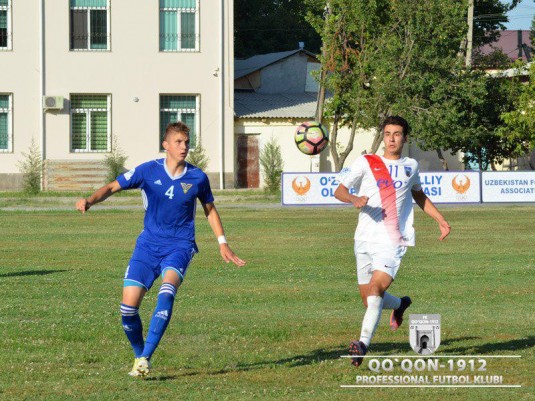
x: 274, y: 329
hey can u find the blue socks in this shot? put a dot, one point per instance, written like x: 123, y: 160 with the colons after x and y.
x: 160, y: 318
x: 133, y: 328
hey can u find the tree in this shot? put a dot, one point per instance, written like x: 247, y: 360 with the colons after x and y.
x: 272, y: 165
x: 519, y: 128
x: 266, y: 26
x: 31, y: 167
x: 389, y: 57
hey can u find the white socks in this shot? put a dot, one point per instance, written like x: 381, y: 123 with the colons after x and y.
x: 390, y: 301
x: 371, y: 318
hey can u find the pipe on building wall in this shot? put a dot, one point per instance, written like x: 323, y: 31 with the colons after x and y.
x: 42, y: 88
x: 222, y: 100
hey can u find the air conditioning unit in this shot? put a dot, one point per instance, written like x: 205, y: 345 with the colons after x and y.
x: 52, y: 102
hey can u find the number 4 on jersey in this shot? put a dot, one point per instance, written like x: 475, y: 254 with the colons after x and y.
x: 170, y: 192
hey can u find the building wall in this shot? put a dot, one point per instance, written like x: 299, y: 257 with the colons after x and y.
x: 286, y: 76
x: 19, y: 75
x: 133, y: 68
x: 295, y: 161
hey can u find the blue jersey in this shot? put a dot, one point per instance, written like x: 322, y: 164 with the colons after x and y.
x: 169, y: 202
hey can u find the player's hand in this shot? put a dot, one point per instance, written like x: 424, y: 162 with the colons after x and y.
x: 444, y: 229
x: 229, y: 256
x: 360, y: 201
x: 83, y: 205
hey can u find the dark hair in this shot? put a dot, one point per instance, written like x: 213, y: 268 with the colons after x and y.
x: 178, y: 126
x: 396, y: 120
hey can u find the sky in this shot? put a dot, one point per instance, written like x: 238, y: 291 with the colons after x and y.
x: 521, y: 16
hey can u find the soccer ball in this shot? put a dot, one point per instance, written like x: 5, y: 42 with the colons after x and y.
x: 311, y: 138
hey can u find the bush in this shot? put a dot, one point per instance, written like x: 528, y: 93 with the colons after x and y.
x: 115, y: 162
x: 272, y: 165
x: 31, y: 167
x: 198, y: 157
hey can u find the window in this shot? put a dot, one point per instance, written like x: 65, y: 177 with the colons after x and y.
x: 6, y: 138
x: 90, y: 25
x: 5, y: 24
x: 90, y: 123
x: 179, y: 25
x: 175, y: 108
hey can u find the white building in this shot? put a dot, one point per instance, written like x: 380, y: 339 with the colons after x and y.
x: 78, y: 76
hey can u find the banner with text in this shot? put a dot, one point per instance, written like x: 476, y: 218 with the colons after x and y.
x: 314, y: 189
x: 508, y: 186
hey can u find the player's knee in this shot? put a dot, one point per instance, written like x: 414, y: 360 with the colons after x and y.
x: 128, y: 311
x: 167, y: 292
x: 376, y: 289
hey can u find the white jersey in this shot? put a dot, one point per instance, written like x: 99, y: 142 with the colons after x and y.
x: 388, y: 216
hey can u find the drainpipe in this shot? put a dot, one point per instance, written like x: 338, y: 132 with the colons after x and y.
x: 222, y: 101
x: 42, y: 87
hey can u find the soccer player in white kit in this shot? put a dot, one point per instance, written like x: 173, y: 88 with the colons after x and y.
x: 383, y: 188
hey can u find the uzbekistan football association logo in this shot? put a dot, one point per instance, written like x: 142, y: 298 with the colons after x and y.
x: 460, y: 183
x: 301, y: 185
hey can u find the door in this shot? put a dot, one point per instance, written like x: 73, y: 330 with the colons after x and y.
x: 248, y: 162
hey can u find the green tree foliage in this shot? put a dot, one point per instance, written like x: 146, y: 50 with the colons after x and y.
x: 272, y: 165
x: 267, y: 26
x: 198, y: 157
x: 114, y: 162
x: 31, y: 167
x: 389, y: 57
x: 519, y: 129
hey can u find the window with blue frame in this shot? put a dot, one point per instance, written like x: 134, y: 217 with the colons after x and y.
x: 90, y: 25
x: 90, y: 122
x: 5, y: 24
x: 183, y: 108
x: 179, y: 25
x: 6, y: 138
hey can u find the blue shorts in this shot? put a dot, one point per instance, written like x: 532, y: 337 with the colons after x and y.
x: 148, y: 261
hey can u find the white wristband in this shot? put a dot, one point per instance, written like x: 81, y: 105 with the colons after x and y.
x: 221, y: 239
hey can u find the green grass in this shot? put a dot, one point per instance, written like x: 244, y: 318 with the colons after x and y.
x: 55, y: 200
x: 273, y: 329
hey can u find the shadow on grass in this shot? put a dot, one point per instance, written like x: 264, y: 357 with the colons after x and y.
x: 31, y: 273
x: 392, y: 348
x: 495, y: 347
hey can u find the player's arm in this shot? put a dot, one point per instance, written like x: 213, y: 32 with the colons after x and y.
x: 217, y: 227
x: 430, y: 209
x: 99, y: 195
x: 343, y: 195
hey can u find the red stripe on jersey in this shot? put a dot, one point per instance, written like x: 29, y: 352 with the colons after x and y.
x: 387, y: 192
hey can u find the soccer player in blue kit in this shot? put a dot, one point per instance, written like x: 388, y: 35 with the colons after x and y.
x: 170, y: 188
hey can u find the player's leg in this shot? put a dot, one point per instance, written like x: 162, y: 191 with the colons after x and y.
x: 162, y: 312
x: 138, y: 279
x: 379, y: 282
x: 377, y: 266
x: 364, y: 275
x: 132, y: 325
x: 174, y: 267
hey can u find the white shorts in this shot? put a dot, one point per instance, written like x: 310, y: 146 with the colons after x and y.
x: 372, y: 256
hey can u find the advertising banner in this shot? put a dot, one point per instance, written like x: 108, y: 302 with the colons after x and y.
x: 510, y: 186
x: 452, y: 186
x: 316, y: 189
